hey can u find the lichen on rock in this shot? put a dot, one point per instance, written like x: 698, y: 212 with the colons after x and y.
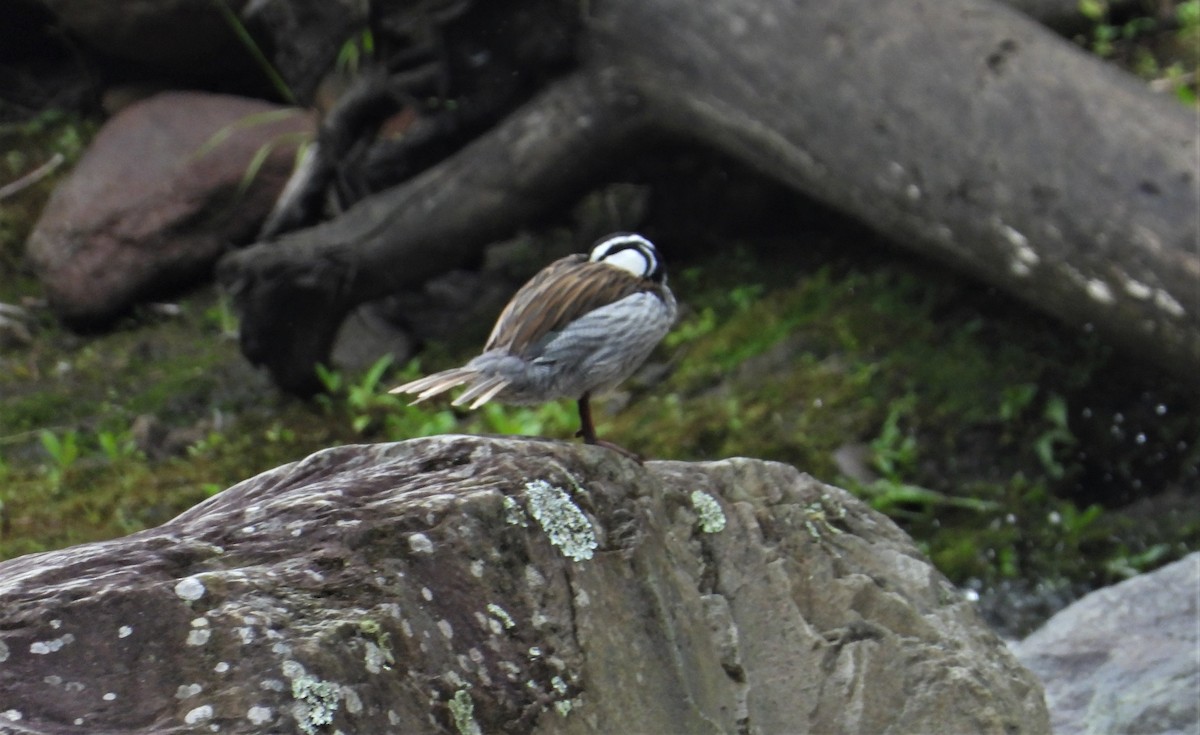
x: 564, y: 523
x: 712, y: 518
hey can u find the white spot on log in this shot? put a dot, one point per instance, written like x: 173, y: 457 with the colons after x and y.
x: 354, y: 703
x: 1137, y: 289
x: 124, y: 631
x: 427, y: 594
x: 1099, y: 291
x: 259, y: 715
x: 446, y: 628
x: 420, y: 543
x: 200, y: 714
x: 374, y: 659
x: 533, y: 578
x: 1167, y: 303
x: 189, y: 588
x: 188, y: 690
x: 291, y: 669
x: 477, y: 568
x: 221, y: 667
x: 52, y: 645
x: 109, y: 696
x: 198, y: 636
x: 11, y: 715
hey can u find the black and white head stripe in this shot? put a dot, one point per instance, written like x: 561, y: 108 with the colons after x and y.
x: 630, y: 252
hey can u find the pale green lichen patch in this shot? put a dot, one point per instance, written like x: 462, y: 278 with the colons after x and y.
x: 712, y: 518
x: 462, y: 709
x: 512, y: 513
x: 564, y: 706
x: 317, y: 702
x: 564, y: 523
x: 502, y: 615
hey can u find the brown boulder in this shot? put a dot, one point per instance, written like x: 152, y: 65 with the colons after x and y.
x: 158, y: 196
x: 469, y: 584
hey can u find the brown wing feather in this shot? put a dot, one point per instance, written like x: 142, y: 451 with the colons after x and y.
x: 564, y: 291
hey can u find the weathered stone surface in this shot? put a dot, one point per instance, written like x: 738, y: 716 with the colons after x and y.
x: 471, y: 584
x: 159, y: 196
x: 1125, y: 658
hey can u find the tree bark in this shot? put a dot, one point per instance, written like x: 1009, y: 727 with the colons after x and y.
x: 960, y: 129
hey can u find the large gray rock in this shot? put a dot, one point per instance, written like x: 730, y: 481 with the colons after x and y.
x: 158, y: 196
x: 469, y: 584
x: 1126, y: 658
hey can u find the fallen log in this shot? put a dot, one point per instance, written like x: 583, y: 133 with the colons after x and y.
x: 963, y: 131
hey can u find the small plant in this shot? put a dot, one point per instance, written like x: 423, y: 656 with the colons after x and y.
x: 1049, y: 444
x: 363, y: 400
x: 355, y: 51
x: 223, y: 317
x: 208, y: 445
x: 63, y: 451
x: 116, y: 446
x: 895, y: 449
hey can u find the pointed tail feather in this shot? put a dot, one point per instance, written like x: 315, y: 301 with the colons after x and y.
x: 481, y: 392
x: 432, y: 385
